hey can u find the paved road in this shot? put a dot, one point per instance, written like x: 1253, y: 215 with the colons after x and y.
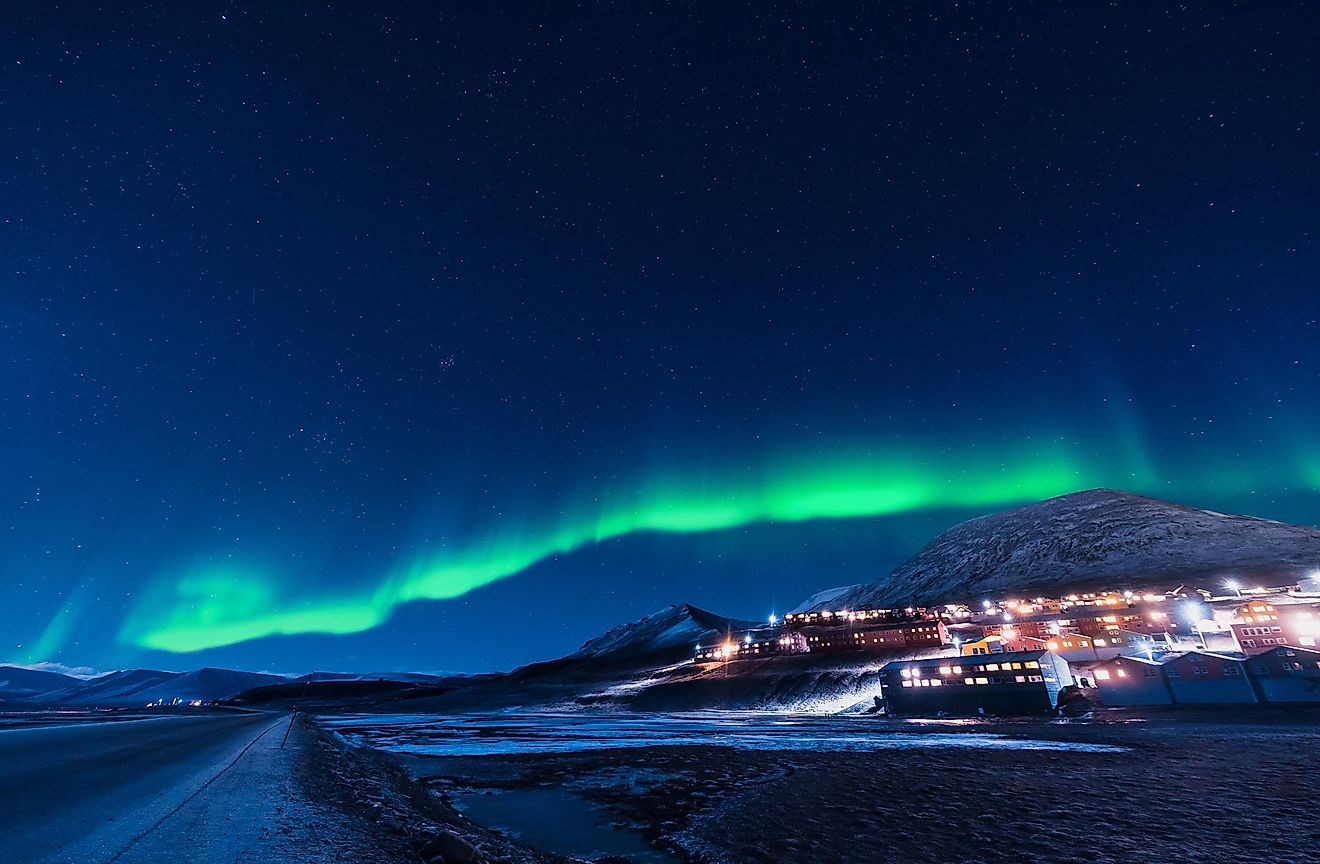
x: 145, y: 790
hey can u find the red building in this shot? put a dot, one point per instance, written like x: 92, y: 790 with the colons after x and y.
x: 1260, y: 626
x: 907, y: 636
x: 1201, y: 677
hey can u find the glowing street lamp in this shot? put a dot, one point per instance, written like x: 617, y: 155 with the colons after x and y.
x: 1195, y: 613
x: 1234, y: 586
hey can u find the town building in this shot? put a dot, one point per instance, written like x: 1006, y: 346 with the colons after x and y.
x: 1079, y: 648
x: 1261, y: 625
x: 1286, y: 674
x: 1026, y: 682
x: 1204, y: 678
x: 751, y: 645
x: 1131, y: 681
x: 1006, y: 642
x: 879, y: 638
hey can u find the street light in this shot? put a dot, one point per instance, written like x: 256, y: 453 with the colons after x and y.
x: 1193, y: 613
x: 1234, y: 586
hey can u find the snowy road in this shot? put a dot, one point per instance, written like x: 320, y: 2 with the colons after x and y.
x: 213, y: 788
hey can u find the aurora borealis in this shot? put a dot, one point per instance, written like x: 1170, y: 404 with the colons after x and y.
x: 441, y: 338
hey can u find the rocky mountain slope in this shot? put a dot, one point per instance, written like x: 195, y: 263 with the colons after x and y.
x: 1095, y: 539
x: 675, y: 630
x: 139, y: 687
x: 19, y: 683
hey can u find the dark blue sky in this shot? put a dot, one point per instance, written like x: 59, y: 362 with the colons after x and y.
x: 302, y: 307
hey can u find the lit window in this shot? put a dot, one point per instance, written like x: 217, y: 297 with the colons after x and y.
x: 906, y: 673
x: 969, y: 680
x: 957, y: 670
x: 946, y: 670
x: 982, y: 680
x: 992, y: 667
x: 1122, y: 673
x: 1102, y: 674
x: 1032, y: 664
x: 935, y: 682
x: 1021, y: 679
x: 1100, y: 642
x: 907, y: 683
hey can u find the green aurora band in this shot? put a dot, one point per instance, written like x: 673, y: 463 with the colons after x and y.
x: 213, y: 605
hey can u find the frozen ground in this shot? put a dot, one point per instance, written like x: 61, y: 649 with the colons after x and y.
x: 732, y: 788
x: 509, y: 734
x: 204, y: 789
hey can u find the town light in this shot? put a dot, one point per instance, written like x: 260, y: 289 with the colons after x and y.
x: 773, y: 619
x: 988, y: 605
x: 1234, y: 586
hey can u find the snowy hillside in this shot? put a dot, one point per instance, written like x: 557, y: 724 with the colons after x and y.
x: 675, y: 630
x: 1095, y: 539
x: 17, y: 683
x: 139, y: 687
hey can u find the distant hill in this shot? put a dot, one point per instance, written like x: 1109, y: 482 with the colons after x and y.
x: 140, y: 687
x: 135, y: 688
x: 17, y: 683
x: 1095, y: 539
x: 422, y: 678
x: 675, y: 631
x: 112, y: 689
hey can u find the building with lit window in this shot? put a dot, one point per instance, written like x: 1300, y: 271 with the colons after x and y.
x: 877, y: 638
x: 752, y: 644
x: 1263, y: 625
x: 1286, y: 674
x: 1131, y: 681
x: 1026, y: 682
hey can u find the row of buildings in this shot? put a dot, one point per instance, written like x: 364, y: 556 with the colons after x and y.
x: 1182, y: 646
x: 1034, y: 682
x: 1080, y: 628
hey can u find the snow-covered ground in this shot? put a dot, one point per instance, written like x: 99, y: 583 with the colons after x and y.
x: 200, y: 788
x: 506, y: 734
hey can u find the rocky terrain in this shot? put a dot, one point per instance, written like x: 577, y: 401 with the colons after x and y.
x: 1095, y: 539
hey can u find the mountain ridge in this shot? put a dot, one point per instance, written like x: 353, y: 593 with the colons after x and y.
x: 1097, y: 538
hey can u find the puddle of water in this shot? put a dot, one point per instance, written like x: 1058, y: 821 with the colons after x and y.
x: 557, y: 821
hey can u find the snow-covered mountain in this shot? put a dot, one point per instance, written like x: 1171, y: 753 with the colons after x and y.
x: 1095, y: 539
x: 674, y: 630
x: 207, y: 685
x: 19, y: 683
x: 139, y: 687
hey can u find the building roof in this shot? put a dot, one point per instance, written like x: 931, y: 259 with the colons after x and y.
x: 1114, y: 661
x: 1213, y: 655
x: 967, y: 660
x: 1292, y: 649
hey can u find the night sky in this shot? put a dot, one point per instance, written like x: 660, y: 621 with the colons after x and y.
x: 445, y: 336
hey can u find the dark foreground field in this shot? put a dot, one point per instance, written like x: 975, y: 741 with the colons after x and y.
x: 1186, y: 789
